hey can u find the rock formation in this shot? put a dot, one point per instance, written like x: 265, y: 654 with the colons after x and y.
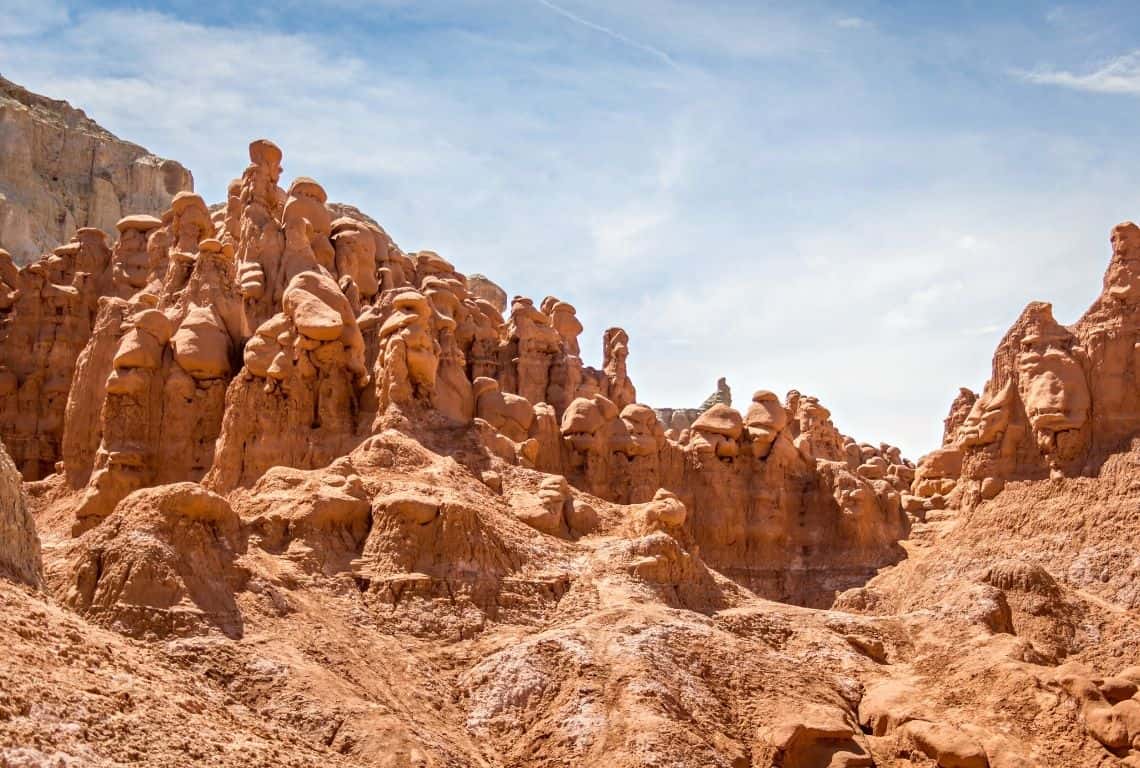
x: 19, y: 544
x: 215, y: 348
x: 162, y: 564
x: 61, y: 171
x: 677, y: 420
x: 1060, y: 399
x: 483, y: 287
x: 352, y: 508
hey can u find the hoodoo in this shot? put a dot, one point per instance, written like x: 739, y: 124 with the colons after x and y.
x: 284, y: 494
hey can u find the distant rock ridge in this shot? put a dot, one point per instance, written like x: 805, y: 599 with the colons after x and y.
x: 680, y: 419
x: 62, y: 171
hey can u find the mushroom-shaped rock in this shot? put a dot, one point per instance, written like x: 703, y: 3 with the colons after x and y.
x: 584, y: 419
x: 665, y: 512
x: 642, y: 435
x: 313, y: 300
x: 875, y: 468
x: 139, y: 222
x: 938, y: 471
x: 717, y: 431
x: 141, y: 346
x: 265, y: 152
x: 431, y: 263
x: 764, y: 420
x: 263, y: 348
x: 216, y: 246
x: 721, y: 419
x: 201, y: 345
x: 549, y: 515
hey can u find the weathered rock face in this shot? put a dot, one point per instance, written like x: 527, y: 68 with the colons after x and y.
x: 61, y: 171
x: 216, y: 347
x: 1022, y: 606
x: 374, y: 519
x: 1060, y: 399
x: 483, y: 287
x: 162, y: 564
x: 19, y: 544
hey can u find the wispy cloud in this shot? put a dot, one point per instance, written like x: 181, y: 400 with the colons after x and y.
x: 611, y: 33
x: 22, y: 18
x: 1121, y: 75
x: 853, y: 22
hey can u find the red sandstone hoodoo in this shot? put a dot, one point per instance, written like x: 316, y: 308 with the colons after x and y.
x: 369, y: 515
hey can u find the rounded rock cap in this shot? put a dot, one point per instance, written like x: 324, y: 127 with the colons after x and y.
x: 722, y: 420
x: 483, y: 384
x: 213, y: 245
x: 640, y: 413
x: 93, y: 233
x: 307, y: 186
x: 264, y: 151
x: 434, y: 261
x: 346, y: 224
x: 185, y: 199
x: 155, y: 323
x: 140, y: 222
x: 582, y: 415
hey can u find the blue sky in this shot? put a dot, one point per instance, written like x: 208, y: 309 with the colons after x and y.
x: 851, y: 199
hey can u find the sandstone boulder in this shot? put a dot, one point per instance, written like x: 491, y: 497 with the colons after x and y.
x: 162, y: 564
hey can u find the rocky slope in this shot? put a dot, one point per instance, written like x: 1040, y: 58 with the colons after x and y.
x: 20, y: 553
x: 61, y: 171
x: 304, y: 498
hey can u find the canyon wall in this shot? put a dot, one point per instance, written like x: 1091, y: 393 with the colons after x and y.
x: 62, y: 171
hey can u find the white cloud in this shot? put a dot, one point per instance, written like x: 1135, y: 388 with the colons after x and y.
x: 853, y: 22
x: 1121, y: 75
x: 24, y: 18
x: 625, y: 237
x: 913, y: 310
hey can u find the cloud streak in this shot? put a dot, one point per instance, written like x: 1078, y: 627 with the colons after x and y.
x: 611, y: 33
x: 1119, y: 76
